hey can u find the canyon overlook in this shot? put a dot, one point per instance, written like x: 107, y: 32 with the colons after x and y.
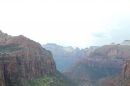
x: 22, y: 60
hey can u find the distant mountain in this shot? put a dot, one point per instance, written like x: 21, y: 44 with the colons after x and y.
x: 125, y: 42
x: 64, y: 57
x: 23, y: 62
x: 102, y: 64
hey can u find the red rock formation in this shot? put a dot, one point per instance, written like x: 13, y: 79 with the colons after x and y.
x: 103, y: 63
x: 122, y: 79
x: 23, y: 59
x: 126, y: 70
x: 112, y: 52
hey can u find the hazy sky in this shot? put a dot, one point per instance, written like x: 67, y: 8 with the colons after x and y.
x: 78, y: 23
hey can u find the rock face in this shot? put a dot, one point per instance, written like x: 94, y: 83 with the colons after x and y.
x: 22, y: 59
x: 120, y: 57
x: 123, y: 79
x: 112, y: 52
x: 103, y: 63
x: 64, y: 57
x: 126, y: 70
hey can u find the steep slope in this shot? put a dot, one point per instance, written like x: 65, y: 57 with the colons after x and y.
x: 103, y: 63
x: 64, y: 57
x: 90, y: 72
x: 24, y: 61
x: 122, y: 79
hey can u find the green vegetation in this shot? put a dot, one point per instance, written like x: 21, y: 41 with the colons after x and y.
x: 9, y: 48
x: 89, y: 75
x: 99, y: 72
x: 56, y: 79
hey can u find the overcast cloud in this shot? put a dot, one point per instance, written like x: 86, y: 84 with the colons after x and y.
x: 80, y: 23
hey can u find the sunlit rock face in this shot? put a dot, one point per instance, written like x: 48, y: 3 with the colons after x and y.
x: 22, y: 59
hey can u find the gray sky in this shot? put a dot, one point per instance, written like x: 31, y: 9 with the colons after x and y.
x: 79, y: 23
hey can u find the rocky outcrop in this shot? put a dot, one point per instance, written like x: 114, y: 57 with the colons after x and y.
x: 123, y: 79
x: 102, y: 65
x: 112, y: 52
x: 4, y: 37
x: 22, y: 59
x: 120, y: 56
x: 69, y: 55
x: 126, y: 70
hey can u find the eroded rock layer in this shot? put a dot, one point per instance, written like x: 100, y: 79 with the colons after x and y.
x: 22, y: 59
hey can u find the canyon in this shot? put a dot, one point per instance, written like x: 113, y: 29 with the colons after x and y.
x: 23, y: 62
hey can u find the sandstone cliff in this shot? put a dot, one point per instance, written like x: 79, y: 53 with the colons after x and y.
x: 111, y: 52
x: 101, y: 65
x: 22, y: 59
x: 64, y: 57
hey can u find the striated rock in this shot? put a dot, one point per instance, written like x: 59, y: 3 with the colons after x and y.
x: 123, y: 79
x: 69, y: 55
x: 102, y: 65
x: 112, y: 52
x: 126, y: 70
x: 120, y: 54
x: 22, y: 59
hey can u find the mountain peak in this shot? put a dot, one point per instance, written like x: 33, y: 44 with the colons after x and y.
x: 4, y: 37
x: 24, y: 60
x: 3, y: 34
